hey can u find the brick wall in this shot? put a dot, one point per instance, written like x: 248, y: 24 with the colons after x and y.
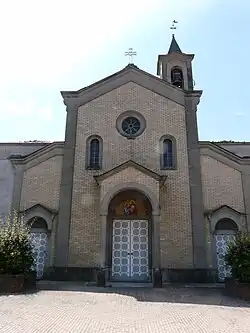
x: 222, y: 185
x: 41, y: 184
x: 99, y: 117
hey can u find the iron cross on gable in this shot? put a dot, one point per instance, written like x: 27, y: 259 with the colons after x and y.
x: 130, y: 53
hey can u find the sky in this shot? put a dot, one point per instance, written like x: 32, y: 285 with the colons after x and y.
x: 49, y: 46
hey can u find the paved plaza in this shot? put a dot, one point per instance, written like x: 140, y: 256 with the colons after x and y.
x: 91, y: 309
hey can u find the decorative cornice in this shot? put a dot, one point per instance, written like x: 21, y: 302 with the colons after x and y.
x: 38, y: 156
x: 224, y: 152
x: 192, y: 99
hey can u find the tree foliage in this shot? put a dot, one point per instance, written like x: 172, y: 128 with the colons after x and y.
x: 16, y: 255
x: 238, y: 257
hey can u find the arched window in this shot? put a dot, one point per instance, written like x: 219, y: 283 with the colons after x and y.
x: 38, y: 223
x: 226, y: 224
x: 177, y: 77
x: 94, y: 153
x: 168, y: 153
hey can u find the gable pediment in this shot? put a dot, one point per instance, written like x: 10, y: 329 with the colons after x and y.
x: 223, y: 209
x: 225, y: 212
x: 39, y: 210
x: 130, y: 164
x: 130, y: 73
x: 38, y: 207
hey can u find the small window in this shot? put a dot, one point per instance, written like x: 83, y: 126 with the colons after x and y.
x: 94, y: 158
x: 168, y: 153
x: 94, y: 147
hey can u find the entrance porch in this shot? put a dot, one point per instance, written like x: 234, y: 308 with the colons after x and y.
x: 130, y: 223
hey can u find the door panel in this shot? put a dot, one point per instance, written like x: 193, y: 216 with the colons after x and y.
x: 121, y: 248
x: 139, y: 249
x: 222, y: 241
x: 130, y: 250
x: 39, y: 244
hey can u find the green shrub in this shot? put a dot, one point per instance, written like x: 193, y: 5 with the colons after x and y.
x: 16, y: 256
x: 238, y: 257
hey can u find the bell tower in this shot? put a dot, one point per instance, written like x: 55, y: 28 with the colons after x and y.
x: 175, y: 67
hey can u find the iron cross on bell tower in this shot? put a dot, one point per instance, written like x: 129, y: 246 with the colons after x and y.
x: 173, y: 26
x: 130, y: 53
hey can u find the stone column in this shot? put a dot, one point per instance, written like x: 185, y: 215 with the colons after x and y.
x: 103, y: 241
x: 66, y: 189
x: 157, y: 274
x: 17, y: 187
x: 156, y: 242
x: 195, y: 184
x: 102, y: 273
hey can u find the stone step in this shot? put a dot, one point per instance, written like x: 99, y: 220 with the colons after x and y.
x: 129, y: 284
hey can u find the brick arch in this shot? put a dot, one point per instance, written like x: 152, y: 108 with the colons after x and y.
x: 129, y: 186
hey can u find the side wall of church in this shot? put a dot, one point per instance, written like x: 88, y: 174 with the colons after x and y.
x: 7, y: 171
x: 98, y: 117
x: 222, y: 185
x: 41, y: 184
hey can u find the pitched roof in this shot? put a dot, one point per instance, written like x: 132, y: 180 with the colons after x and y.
x: 130, y: 73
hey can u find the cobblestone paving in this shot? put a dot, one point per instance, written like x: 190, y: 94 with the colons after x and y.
x: 124, y: 310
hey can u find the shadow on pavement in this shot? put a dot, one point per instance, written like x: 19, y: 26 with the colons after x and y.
x: 30, y: 291
x: 168, y: 294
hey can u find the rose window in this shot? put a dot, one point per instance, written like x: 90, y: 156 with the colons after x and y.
x: 131, y: 126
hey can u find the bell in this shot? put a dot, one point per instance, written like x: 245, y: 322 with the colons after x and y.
x: 177, y: 78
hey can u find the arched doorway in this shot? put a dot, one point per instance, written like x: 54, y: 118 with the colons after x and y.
x: 39, y: 241
x: 129, y: 237
x: 225, y: 230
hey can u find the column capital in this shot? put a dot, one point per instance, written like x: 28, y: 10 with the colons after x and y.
x: 156, y: 216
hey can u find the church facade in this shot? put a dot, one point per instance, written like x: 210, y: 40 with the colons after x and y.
x: 131, y: 192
